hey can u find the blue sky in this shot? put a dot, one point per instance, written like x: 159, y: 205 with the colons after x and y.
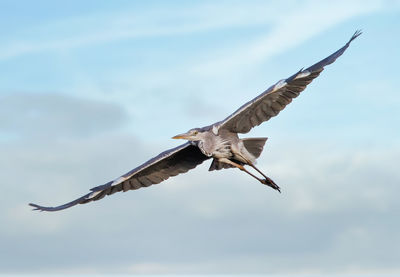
x: 89, y: 90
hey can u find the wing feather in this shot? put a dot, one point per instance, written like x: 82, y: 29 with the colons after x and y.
x: 274, y: 99
x: 169, y: 163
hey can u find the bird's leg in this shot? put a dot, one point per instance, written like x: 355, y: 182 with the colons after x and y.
x: 241, y: 167
x: 267, y: 181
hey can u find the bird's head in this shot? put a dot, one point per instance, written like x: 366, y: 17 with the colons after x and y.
x: 192, y: 135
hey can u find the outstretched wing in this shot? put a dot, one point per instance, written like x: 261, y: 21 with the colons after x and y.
x: 169, y: 163
x: 275, y: 98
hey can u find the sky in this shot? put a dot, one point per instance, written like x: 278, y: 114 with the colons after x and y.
x: 91, y: 89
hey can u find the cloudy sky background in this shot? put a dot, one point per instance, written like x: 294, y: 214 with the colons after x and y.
x: 89, y: 90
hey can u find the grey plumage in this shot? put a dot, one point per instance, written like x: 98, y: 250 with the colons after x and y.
x: 275, y: 98
x: 218, y: 141
x: 254, y: 145
x: 167, y: 164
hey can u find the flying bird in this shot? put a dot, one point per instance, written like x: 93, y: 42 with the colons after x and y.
x: 219, y: 141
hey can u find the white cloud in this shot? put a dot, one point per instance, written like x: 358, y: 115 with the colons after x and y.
x: 51, y: 115
x: 324, y: 202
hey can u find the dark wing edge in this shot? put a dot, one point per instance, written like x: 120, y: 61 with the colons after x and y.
x: 167, y: 164
x: 275, y: 98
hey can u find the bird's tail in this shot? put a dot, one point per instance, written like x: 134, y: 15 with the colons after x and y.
x: 254, y: 145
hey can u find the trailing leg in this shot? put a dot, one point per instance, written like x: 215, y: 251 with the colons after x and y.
x: 241, y: 167
x: 267, y: 181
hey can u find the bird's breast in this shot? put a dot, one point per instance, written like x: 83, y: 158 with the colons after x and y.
x: 223, y: 152
x: 222, y: 148
x: 205, y: 150
x: 217, y: 148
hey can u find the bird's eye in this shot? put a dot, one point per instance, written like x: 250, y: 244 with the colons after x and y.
x: 195, y: 132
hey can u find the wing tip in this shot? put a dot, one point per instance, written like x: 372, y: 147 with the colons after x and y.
x: 46, y: 209
x: 80, y: 200
x: 356, y: 34
x: 38, y: 207
x: 50, y: 209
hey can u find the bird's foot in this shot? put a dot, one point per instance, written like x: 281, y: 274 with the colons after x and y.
x: 268, y: 181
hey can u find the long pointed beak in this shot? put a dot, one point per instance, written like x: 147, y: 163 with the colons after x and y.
x: 181, y: 136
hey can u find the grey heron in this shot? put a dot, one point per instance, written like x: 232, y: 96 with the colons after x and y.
x: 219, y: 141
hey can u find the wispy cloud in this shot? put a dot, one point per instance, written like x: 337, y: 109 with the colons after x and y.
x: 300, y: 22
x: 285, y: 28
x: 85, y: 31
x: 101, y: 28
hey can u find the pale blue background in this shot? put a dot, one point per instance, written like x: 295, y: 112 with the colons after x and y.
x: 91, y: 89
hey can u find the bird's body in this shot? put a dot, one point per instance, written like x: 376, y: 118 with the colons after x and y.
x: 219, y: 145
x: 219, y: 141
x: 227, y: 149
x: 216, y: 145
